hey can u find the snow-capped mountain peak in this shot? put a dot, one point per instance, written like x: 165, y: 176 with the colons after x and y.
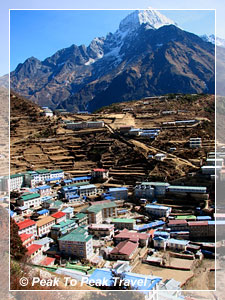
x: 214, y: 40
x: 154, y: 19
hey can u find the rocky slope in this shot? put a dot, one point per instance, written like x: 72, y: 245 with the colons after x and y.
x: 147, y: 55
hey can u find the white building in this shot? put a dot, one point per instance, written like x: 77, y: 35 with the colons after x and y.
x: 16, y: 181
x: 120, y: 193
x: 158, y: 210
x: 87, y: 190
x: 44, y: 190
x: 77, y: 243
x: 31, y: 200
x: 195, y: 142
x: 27, y: 226
x: 44, y: 226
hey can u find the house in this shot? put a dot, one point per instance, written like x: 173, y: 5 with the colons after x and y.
x: 87, y: 190
x: 132, y: 236
x: 44, y: 226
x: 81, y: 219
x: 44, y: 242
x: 195, y: 142
x: 160, y: 156
x: 27, y: 226
x: 81, y: 179
x: 100, y: 173
x: 27, y: 239
x: 180, y: 189
x: 101, y: 230
x: 30, y: 200
x: 177, y: 244
x: 69, y: 212
x: 159, y: 242
x: 120, y: 193
x: 59, y: 217
x: 55, y: 206
x: 62, y: 228
x: 35, y: 253
x: 47, y: 112
x: 121, y: 223
x: 16, y: 181
x: 158, y: 210
x: 99, y: 212
x: 201, y: 229
x: 178, y: 225
x: 70, y: 192
x: 44, y: 190
x: 149, y: 190
x: 77, y: 243
x: 48, y: 262
x: 125, y: 250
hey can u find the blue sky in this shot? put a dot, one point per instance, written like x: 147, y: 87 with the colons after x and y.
x: 40, y: 33
x: 100, y: 4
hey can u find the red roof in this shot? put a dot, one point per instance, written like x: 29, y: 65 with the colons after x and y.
x: 175, y: 222
x: 134, y: 236
x: 198, y: 223
x: 25, y: 224
x: 99, y: 170
x: 58, y: 215
x: 125, y: 247
x: 25, y: 236
x: 47, y: 261
x: 33, y: 248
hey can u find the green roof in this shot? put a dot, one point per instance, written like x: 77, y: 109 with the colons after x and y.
x: 186, y: 217
x: 98, y: 207
x: 16, y: 175
x: 58, y: 203
x: 56, y: 171
x: 155, y: 183
x: 77, y: 235
x: 42, y: 171
x: 187, y: 187
x: 63, y: 224
x: 30, y: 196
x: 122, y: 220
x: 80, y: 216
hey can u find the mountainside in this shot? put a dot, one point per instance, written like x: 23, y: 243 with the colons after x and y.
x: 147, y: 55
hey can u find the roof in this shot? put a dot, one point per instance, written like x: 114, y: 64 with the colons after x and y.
x: 117, y: 189
x: 155, y: 183
x: 149, y: 225
x: 25, y: 224
x: 64, y: 224
x: 125, y: 233
x: 25, y: 236
x: 99, y: 170
x: 179, y: 242
x: 56, y: 171
x: 123, y: 220
x: 190, y: 217
x: 198, y: 223
x: 44, y: 221
x: 187, y: 187
x: 98, y: 207
x: 149, y: 282
x: 77, y: 235
x: 68, y: 210
x: 80, y: 216
x: 43, y: 211
x: 42, y: 171
x: 53, y: 179
x: 88, y: 186
x: 15, y: 176
x: 47, y: 261
x: 177, y: 222
x: 80, y: 178
x: 58, y: 215
x: 157, y: 206
x: 33, y: 248
x: 43, y: 187
x: 126, y: 248
x: 43, y: 241
x: 30, y: 196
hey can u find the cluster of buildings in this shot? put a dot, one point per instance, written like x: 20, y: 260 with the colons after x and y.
x: 84, y: 125
x: 50, y: 228
x: 130, y: 130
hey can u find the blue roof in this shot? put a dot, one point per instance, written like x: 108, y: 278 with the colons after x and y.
x: 73, y: 196
x: 88, y: 186
x: 43, y: 211
x: 212, y: 222
x: 33, y: 190
x: 204, y: 218
x: 69, y: 188
x: 43, y: 187
x: 11, y: 213
x: 109, y: 198
x: 122, y: 210
x: 68, y: 180
x: 68, y: 210
x: 149, y: 225
x: 149, y: 282
x: 53, y: 179
x: 117, y: 189
x: 81, y: 178
x: 157, y: 206
x: 162, y: 233
x: 46, y: 198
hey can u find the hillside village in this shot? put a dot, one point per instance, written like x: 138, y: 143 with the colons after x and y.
x: 130, y: 188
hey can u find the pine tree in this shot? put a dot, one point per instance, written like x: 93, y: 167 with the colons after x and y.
x: 17, y: 250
